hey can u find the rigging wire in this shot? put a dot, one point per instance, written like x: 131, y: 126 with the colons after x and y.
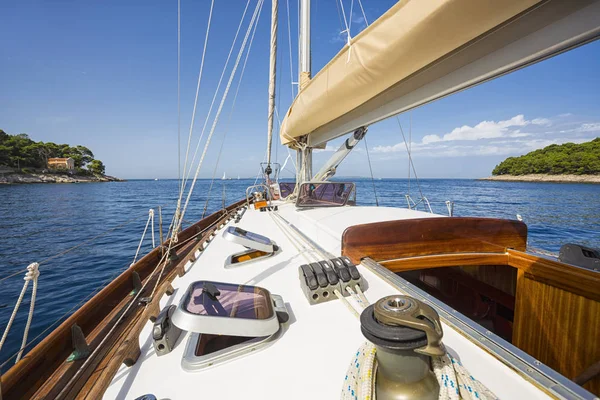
x: 371, y: 169
x: 254, y: 20
x: 363, y: 12
x: 229, y: 121
x: 179, y: 91
x: 409, y: 156
x: 187, y: 176
x: 348, y: 37
x: 196, y: 101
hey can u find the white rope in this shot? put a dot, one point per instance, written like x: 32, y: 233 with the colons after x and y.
x: 254, y: 20
x: 150, y: 218
x: 454, y: 380
x: 185, y: 163
x: 182, y: 181
x: 32, y: 275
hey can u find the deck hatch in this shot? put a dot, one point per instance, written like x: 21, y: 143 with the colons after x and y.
x: 226, y: 309
x: 257, y: 246
x: 227, y: 321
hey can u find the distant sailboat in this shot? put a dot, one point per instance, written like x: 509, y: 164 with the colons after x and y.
x: 224, y: 176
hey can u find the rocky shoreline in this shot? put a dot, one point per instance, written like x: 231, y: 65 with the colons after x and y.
x: 19, y: 178
x: 545, y: 178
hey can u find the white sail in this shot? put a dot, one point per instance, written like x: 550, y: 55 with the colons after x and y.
x: 421, y: 50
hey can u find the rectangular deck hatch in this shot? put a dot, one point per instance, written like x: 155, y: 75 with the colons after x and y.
x: 227, y: 321
x: 226, y: 309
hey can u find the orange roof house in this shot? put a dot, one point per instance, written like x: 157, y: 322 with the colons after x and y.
x: 61, y: 163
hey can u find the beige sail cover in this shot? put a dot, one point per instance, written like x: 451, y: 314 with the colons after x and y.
x: 410, y: 36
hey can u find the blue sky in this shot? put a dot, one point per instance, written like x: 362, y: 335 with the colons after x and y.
x: 104, y: 74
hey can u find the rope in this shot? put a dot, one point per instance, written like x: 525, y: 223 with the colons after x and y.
x: 187, y: 151
x: 212, y: 103
x: 229, y: 121
x: 254, y: 20
x: 409, y: 157
x: 133, y: 301
x: 454, y: 380
x: 76, y: 306
x: 150, y: 218
x: 371, y: 169
x: 32, y: 275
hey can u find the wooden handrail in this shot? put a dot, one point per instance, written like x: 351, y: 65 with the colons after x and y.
x: 445, y: 260
x: 430, y: 236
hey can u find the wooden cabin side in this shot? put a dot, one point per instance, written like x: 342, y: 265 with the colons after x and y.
x: 478, y: 266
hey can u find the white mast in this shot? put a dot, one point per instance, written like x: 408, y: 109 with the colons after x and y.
x: 304, y: 156
x: 272, y: 79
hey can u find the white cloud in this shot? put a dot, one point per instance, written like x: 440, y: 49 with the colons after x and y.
x: 489, y: 130
x: 541, y: 121
x: 431, y: 139
x: 327, y: 149
x: 495, y: 138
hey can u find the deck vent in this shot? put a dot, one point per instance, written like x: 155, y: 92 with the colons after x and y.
x: 257, y: 246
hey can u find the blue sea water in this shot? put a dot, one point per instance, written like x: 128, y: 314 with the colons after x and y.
x: 38, y: 221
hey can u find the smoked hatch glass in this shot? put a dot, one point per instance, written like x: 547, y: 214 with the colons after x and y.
x: 229, y: 300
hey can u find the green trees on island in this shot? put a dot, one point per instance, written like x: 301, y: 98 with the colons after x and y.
x: 20, y: 151
x: 568, y: 158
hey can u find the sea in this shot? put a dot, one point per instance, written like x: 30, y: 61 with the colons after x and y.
x: 84, y: 235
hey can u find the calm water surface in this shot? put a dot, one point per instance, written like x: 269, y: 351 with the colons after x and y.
x: 41, y: 220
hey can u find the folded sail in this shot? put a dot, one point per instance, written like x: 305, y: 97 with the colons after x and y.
x: 416, y: 43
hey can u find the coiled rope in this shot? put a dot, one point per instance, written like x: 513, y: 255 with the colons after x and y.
x: 454, y: 380
x: 32, y: 275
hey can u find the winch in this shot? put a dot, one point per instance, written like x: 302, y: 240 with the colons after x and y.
x: 406, y: 334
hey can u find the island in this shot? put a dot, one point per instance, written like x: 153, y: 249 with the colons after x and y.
x: 23, y: 160
x: 568, y: 162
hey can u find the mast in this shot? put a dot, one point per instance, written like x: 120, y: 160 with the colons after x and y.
x: 272, y: 80
x: 304, y: 155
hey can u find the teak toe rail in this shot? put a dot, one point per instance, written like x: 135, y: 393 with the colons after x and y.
x: 557, y: 306
x: 44, y: 372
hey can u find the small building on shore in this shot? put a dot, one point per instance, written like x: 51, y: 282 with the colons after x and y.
x: 67, y: 164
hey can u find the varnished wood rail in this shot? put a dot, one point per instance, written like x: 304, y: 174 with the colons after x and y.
x: 43, y: 372
x: 427, y: 236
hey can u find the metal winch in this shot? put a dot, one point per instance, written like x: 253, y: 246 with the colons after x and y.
x: 406, y: 333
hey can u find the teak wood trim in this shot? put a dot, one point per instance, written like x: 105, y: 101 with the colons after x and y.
x: 47, y: 358
x: 581, y: 281
x: 428, y: 236
x: 567, y: 277
x: 445, y: 260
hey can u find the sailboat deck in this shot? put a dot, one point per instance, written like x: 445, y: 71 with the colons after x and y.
x: 310, y: 358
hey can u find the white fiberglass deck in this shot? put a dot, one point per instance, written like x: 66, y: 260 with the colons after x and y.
x: 310, y: 359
